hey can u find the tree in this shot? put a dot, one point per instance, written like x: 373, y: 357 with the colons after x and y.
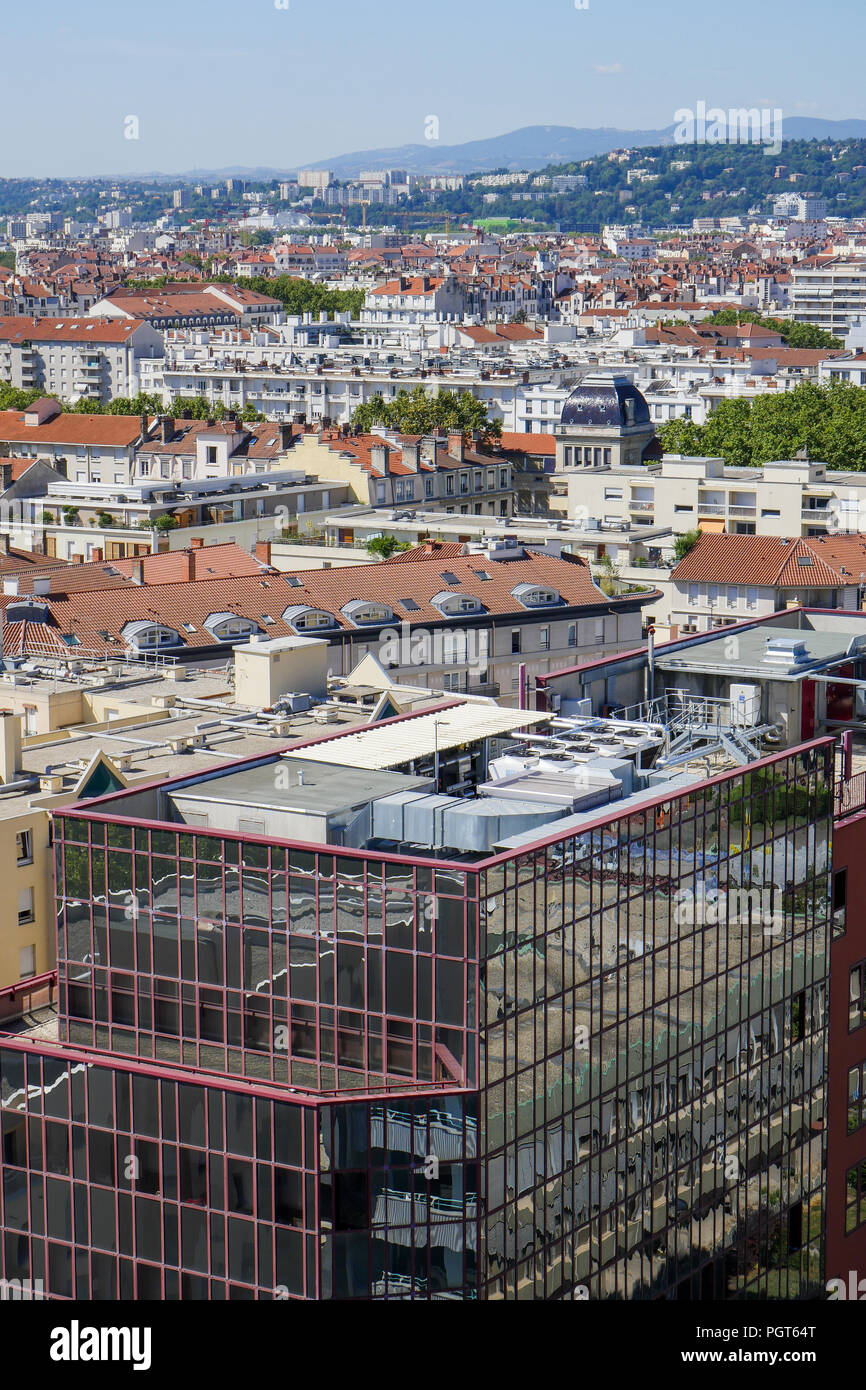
x: 299, y: 296
x: 607, y: 576
x: 105, y: 520
x: 166, y: 522
x: 684, y: 543
x: 793, y: 334
x: 416, y: 412
x: 829, y: 421
x: 383, y: 546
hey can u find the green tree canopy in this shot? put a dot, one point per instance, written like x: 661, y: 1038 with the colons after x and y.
x: 684, y: 543
x: 794, y: 334
x: 414, y: 412
x: 827, y: 420
x: 299, y: 296
x: 383, y: 546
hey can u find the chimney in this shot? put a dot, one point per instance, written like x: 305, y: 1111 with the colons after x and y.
x: 98, y: 556
x: 411, y: 454
x: 138, y: 570
x: 10, y: 746
x: 166, y: 428
x: 196, y: 542
x: 5, y: 476
x: 143, y: 423
x: 190, y: 564
x: 428, y: 449
x: 379, y: 460
x: 263, y: 552
x: 456, y: 444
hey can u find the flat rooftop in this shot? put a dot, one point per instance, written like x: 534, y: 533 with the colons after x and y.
x: 714, y: 656
x: 300, y: 784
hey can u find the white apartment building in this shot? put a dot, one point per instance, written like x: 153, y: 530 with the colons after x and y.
x: 785, y: 498
x: 78, y: 358
x: 415, y: 299
x: 830, y: 296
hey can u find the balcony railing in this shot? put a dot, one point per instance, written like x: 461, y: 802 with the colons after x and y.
x: 850, y: 795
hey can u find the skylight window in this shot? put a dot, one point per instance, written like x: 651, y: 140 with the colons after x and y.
x: 449, y: 576
x: 805, y: 560
x: 409, y: 604
x: 294, y: 581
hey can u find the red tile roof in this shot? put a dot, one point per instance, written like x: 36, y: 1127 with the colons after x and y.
x: 765, y: 561
x: 118, y: 430
x: 74, y: 329
x: 86, y: 615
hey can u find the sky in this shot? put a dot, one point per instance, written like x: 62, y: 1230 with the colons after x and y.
x: 283, y: 83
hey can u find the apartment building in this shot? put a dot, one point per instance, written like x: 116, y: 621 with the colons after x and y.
x: 788, y: 497
x: 415, y: 299
x: 191, y: 306
x: 830, y: 294
x: 484, y: 621
x: 447, y: 473
x: 84, y: 448
x: 724, y: 578
x: 85, y: 358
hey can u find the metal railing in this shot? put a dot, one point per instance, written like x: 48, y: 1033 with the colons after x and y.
x: 850, y: 795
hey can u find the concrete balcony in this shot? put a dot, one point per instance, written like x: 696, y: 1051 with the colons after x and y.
x: 819, y: 516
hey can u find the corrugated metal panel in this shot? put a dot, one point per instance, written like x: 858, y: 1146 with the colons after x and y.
x: 391, y: 745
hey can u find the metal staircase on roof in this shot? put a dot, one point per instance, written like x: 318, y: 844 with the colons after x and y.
x: 701, y: 725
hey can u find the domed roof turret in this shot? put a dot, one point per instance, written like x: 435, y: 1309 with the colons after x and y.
x: 610, y: 402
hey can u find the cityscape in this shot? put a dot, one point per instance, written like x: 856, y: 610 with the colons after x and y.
x: 433, y: 666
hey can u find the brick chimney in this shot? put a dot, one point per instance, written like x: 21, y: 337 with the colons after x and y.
x: 97, y: 556
x: 285, y: 437
x: 263, y: 552
x: 166, y: 429
x: 196, y: 542
x: 138, y: 570
x: 456, y: 444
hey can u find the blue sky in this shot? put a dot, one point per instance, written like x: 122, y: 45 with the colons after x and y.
x: 216, y: 83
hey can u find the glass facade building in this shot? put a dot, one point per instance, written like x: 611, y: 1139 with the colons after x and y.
x: 594, y: 1066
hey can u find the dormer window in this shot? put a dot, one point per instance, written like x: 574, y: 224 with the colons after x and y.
x: 456, y: 605
x: 362, y: 612
x: 535, y: 596
x: 305, y: 619
x: 226, y: 627
x: 145, y: 636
